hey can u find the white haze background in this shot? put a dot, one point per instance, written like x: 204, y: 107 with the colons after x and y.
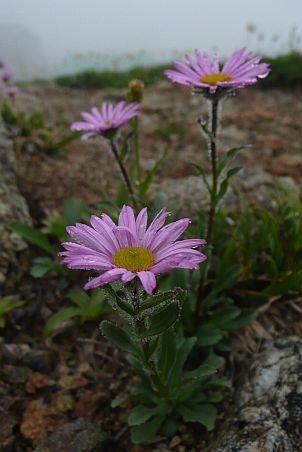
x: 42, y: 38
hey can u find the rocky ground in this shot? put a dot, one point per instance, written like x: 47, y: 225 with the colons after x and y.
x: 56, y: 394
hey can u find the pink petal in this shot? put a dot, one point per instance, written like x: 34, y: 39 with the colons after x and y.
x: 148, y: 281
x: 105, y: 278
x: 141, y: 224
x: 128, y: 276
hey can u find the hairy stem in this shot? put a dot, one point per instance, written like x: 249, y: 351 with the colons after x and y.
x: 140, y: 325
x: 213, y: 123
x: 137, y: 153
x: 124, y: 174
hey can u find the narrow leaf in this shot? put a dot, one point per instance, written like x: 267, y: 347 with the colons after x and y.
x: 33, y: 235
x: 60, y: 317
x: 140, y: 414
x: 141, y: 433
x: 167, y: 354
x: 7, y: 305
x: 208, y: 335
x: 204, y: 413
x: 203, y: 174
x: 118, y: 337
x: 162, y: 320
x: 231, y: 153
x: 73, y: 209
x: 150, y: 176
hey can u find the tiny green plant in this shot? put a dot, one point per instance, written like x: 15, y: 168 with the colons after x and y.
x: 85, y: 308
x: 7, y: 305
x: 48, y: 237
x: 33, y: 129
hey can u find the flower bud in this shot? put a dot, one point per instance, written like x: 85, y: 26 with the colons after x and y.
x: 135, y: 91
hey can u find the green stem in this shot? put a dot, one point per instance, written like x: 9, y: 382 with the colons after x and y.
x: 140, y: 325
x: 124, y: 174
x: 213, y: 155
x: 137, y: 153
x: 213, y: 121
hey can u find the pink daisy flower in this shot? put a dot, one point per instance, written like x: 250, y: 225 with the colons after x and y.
x: 8, y: 76
x: 10, y: 91
x: 3, y: 64
x: 130, y: 249
x: 107, y: 120
x: 240, y: 69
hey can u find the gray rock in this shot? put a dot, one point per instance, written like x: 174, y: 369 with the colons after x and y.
x: 77, y: 436
x: 12, y: 207
x: 267, y: 414
x: 42, y: 360
x: 16, y: 374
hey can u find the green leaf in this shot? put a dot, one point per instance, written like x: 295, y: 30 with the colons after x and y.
x: 7, y: 305
x: 206, y: 131
x: 96, y: 306
x: 79, y: 297
x: 142, y: 392
x: 245, y: 317
x: 224, y: 281
x: 170, y: 426
x: 68, y: 138
x: 44, y: 265
x: 140, y: 414
x: 231, y: 153
x: 182, y: 354
x: 215, y: 397
x: 60, y: 317
x: 33, y: 235
x: 116, y: 301
x: 203, y: 174
x: 161, y: 320
x: 233, y: 171
x: 213, y: 383
x: 214, y: 361
x: 167, y: 354
x: 37, y: 120
x: 118, y: 337
x: 208, y: 335
x: 73, y: 209
x: 124, y: 151
x: 117, y: 402
x: 204, y: 413
x: 160, y: 299
x: 290, y: 282
x: 150, y: 176
x: 222, y: 190
x: 141, y: 433
x: 225, y: 183
x: 220, y: 317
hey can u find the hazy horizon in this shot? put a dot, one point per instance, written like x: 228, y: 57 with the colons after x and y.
x: 41, y: 39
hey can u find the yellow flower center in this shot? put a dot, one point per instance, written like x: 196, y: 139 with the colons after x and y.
x: 134, y: 258
x: 108, y: 123
x: 213, y: 79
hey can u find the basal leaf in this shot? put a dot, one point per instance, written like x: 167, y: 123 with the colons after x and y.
x: 141, y: 433
x: 204, y: 413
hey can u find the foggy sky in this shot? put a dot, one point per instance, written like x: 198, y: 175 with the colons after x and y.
x: 42, y: 33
